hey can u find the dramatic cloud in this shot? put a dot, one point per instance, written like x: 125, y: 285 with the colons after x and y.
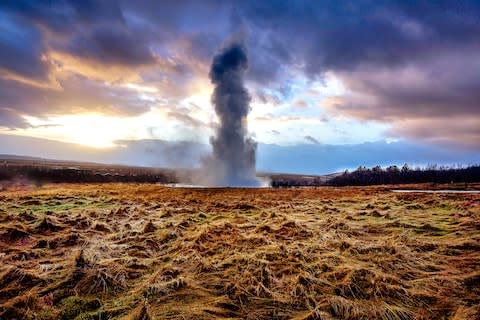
x: 78, y: 94
x: 398, y: 61
x: 411, y: 65
x: 112, y: 46
x: 423, y: 101
x: 21, y: 49
x: 455, y: 131
x: 349, y: 34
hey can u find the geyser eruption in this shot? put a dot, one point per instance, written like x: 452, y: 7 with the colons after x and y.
x: 234, y: 153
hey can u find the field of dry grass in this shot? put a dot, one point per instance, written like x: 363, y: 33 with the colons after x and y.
x: 125, y: 251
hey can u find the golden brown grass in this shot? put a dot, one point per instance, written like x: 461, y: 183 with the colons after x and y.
x: 126, y: 251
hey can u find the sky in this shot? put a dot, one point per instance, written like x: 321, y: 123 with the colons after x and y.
x: 333, y: 84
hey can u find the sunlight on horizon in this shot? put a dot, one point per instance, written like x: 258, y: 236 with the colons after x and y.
x: 280, y: 122
x: 93, y: 130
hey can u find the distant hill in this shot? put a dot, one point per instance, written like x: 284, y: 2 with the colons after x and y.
x: 50, y: 170
x: 16, y: 157
x: 41, y: 170
x: 44, y: 161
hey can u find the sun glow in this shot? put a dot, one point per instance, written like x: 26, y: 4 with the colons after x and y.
x: 92, y: 130
x: 107, y: 131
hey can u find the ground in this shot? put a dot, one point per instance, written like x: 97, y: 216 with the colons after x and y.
x: 128, y: 251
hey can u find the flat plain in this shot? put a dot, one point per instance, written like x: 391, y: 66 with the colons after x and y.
x: 144, y: 251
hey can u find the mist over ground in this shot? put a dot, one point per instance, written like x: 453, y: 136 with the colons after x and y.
x: 315, y: 159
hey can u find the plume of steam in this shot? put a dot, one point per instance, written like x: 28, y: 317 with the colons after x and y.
x: 234, y: 153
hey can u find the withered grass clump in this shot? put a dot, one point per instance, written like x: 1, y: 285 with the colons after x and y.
x: 140, y: 313
x: 47, y: 225
x: 149, y: 227
x: 14, y: 234
x: 126, y: 251
x: 89, y: 278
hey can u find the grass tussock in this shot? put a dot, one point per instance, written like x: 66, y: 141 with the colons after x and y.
x: 126, y: 251
x: 140, y: 313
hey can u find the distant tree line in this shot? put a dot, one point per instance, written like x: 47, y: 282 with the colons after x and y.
x: 404, y: 175
x: 285, y: 181
x: 42, y: 174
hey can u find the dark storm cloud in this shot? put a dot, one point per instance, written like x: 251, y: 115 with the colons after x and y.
x: 400, y: 59
x: 65, y: 16
x: 94, y: 30
x: 340, y: 35
x: 318, y: 36
x: 111, y: 46
x: 21, y: 48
